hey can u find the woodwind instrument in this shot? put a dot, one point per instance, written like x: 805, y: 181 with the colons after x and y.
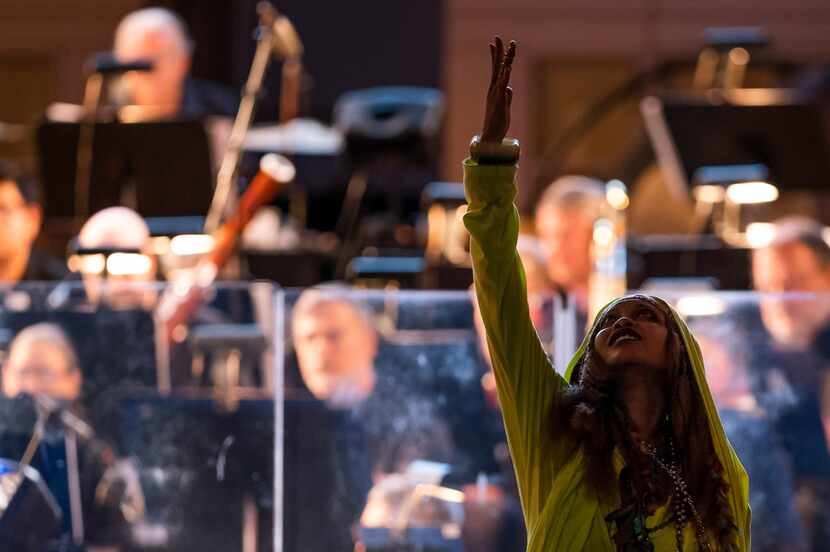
x: 275, y: 36
x: 183, y: 297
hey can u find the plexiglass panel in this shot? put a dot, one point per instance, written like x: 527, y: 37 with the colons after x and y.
x: 393, y: 436
x: 386, y: 434
x: 147, y: 415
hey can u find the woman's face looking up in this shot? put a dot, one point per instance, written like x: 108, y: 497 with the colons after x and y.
x: 633, y: 333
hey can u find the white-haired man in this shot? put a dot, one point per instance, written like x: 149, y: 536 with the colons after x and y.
x: 564, y: 221
x: 114, y: 261
x: 160, y: 36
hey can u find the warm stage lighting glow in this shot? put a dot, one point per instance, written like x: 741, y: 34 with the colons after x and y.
x: 128, y: 264
x: 191, y: 244
x: 700, y: 305
x: 616, y: 196
x: 752, y: 192
x: 709, y: 193
x: 760, y: 234
x: 603, y: 233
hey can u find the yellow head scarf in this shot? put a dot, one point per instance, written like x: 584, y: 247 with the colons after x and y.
x: 734, y: 472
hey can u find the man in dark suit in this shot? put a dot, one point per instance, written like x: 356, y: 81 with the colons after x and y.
x: 41, y: 363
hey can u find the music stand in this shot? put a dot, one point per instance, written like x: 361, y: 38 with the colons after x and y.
x: 690, y: 132
x: 29, y: 515
x: 181, y: 435
x: 166, y: 165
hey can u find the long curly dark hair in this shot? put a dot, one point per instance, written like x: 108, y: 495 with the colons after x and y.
x: 590, y: 416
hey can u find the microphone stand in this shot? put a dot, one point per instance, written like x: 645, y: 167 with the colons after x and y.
x: 86, y: 136
x: 46, y: 407
x: 99, y: 68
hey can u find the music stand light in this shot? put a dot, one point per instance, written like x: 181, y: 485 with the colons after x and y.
x: 722, y: 191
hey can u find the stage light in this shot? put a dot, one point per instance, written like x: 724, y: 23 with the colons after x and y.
x: 128, y: 264
x: 744, y: 193
x: 760, y: 234
x: 87, y: 264
x: 709, y: 193
x: 191, y: 244
x: 700, y: 305
x: 616, y: 195
x: 603, y: 233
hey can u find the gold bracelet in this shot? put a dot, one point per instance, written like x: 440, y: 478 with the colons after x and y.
x: 491, y: 153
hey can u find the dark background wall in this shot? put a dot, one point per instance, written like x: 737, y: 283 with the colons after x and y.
x: 348, y: 45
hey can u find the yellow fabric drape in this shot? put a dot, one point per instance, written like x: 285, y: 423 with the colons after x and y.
x: 560, y: 512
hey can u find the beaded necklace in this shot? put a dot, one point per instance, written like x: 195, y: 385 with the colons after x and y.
x: 632, y: 515
x: 682, y: 502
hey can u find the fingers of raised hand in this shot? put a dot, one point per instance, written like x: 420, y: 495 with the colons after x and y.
x: 495, y: 72
x: 511, y: 52
x: 507, y: 62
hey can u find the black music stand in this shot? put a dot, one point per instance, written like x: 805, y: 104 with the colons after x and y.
x: 35, y: 510
x: 221, y: 456
x: 689, y: 132
x: 31, y: 516
x: 167, y: 165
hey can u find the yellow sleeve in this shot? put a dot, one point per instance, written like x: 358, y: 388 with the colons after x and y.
x: 526, y: 381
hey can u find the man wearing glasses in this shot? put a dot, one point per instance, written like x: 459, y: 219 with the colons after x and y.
x: 113, y: 260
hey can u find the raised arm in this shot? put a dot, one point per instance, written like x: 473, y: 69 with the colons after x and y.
x: 526, y: 381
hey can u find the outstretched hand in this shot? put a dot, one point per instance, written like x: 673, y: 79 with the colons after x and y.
x: 499, y: 95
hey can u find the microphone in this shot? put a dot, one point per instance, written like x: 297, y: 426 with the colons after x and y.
x: 105, y: 63
x: 48, y: 406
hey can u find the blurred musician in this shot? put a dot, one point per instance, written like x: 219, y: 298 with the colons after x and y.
x: 776, y: 525
x: 795, y: 358
x: 41, y: 360
x: 797, y: 260
x: 160, y: 36
x: 385, y: 420
x: 113, y: 305
x: 119, y: 272
x: 20, y: 218
x: 42, y: 363
x: 564, y: 222
x: 337, y: 346
x: 114, y: 262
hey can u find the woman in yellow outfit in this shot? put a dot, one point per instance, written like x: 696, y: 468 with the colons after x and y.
x: 627, y: 451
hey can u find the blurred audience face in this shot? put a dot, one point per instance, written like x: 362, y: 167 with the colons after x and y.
x: 336, y: 348
x: 157, y: 35
x: 19, y: 226
x: 792, y: 266
x: 41, y: 362
x: 120, y: 276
